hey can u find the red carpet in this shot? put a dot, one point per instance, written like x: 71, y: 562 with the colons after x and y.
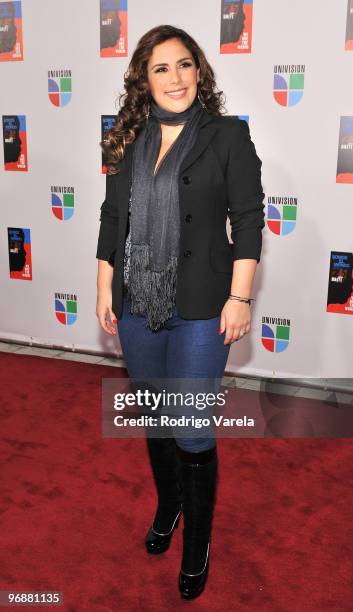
x: 75, y: 508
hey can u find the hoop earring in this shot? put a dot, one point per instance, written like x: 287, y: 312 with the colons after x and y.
x: 200, y: 100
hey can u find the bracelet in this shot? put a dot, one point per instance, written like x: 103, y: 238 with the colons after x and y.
x: 240, y: 299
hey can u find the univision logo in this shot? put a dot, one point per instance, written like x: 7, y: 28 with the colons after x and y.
x: 66, y: 308
x: 281, y: 214
x: 62, y: 202
x: 275, y: 334
x: 288, y: 84
x: 59, y: 87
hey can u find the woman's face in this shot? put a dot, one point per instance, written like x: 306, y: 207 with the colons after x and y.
x: 172, y: 75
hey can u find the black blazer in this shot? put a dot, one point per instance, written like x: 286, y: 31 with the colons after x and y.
x: 220, y: 176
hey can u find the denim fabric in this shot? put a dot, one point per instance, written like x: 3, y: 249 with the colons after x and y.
x: 183, y: 348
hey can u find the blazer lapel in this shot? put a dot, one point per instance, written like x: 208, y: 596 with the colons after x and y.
x: 206, y: 132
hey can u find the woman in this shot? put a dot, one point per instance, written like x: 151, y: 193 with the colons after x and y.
x: 177, y: 289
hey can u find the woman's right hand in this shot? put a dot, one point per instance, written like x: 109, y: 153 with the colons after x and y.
x: 106, y: 317
x: 104, y: 312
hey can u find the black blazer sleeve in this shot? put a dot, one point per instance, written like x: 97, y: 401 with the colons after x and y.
x: 108, y: 230
x: 245, y: 195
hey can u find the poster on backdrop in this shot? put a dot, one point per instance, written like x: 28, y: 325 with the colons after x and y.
x: 15, y: 142
x: 345, y: 151
x: 11, y: 40
x: 236, y: 26
x: 113, y: 28
x: 340, y: 284
x: 20, y: 253
x: 349, y: 27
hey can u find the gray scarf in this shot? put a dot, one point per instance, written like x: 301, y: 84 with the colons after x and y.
x: 155, y: 215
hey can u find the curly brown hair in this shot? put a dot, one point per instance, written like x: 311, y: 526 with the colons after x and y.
x: 136, y: 98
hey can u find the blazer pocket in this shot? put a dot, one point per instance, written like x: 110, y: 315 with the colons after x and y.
x: 221, y: 260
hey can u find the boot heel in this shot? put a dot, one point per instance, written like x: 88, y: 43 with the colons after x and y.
x: 192, y: 585
x: 157, y: 543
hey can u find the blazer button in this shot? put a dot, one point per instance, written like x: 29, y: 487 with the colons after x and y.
x: 187, y: 253
x: 186, y: 180
x: 188, y: 218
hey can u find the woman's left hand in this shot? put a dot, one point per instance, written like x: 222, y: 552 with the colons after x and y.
x: 235, y: 320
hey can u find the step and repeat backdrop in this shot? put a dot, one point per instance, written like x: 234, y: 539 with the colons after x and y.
x: 286, y: 67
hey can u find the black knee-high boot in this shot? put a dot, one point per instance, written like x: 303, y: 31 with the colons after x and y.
x: 199, y: 474
x: 166, y: 468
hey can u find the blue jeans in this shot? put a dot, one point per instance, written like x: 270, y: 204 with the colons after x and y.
x: 183, y: 348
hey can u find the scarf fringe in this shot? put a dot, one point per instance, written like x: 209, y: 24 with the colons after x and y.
x: 151, y: 293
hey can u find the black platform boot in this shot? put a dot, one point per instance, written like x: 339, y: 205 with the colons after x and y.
x: 166, y: 467
x: 199, y: 473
